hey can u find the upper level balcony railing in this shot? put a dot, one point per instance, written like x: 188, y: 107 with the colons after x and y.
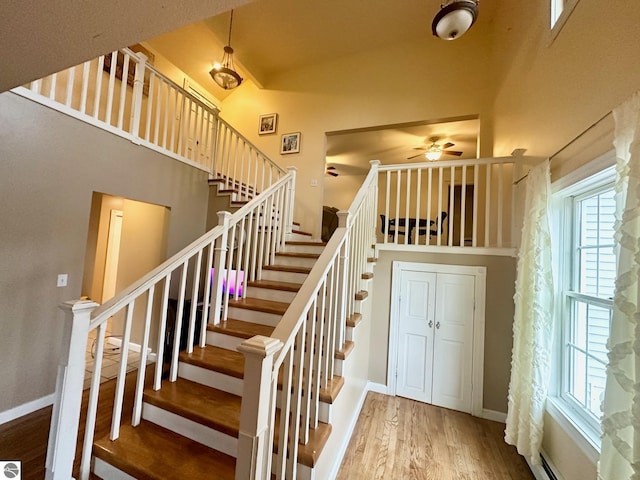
x: 150, y: 109
x: 460, y: 203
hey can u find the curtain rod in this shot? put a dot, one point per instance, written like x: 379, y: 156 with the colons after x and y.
x: 570, y: 143
x: 580, y: 135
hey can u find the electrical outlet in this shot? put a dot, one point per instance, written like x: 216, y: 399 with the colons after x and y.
x: 63, y: 278
x: 314, y: 183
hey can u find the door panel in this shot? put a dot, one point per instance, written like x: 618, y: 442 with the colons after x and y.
x: 453, y: 345
x: 415, y: 345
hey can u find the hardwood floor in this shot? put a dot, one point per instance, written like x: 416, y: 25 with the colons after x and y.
x: 397, y: 438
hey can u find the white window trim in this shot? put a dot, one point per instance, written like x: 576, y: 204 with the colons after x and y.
x: 597, y: 173
x: 567, y: 10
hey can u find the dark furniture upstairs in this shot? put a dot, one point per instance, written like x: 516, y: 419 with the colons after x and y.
x: 405, y: 226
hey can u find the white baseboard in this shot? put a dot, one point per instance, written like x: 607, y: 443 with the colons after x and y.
x: 493, y: 415
x: 377, y: 388
x: 539, y: 472
x: 26, y: 408
x: 369, y: 387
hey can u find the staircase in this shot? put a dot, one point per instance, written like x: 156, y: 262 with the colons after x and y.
x: 190, y: 426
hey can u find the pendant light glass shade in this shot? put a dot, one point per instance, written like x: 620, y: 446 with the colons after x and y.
x: 224, y: 73
x: 454, y: 19
x: 433, y: 153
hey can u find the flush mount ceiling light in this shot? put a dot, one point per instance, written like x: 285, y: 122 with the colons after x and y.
x: 224, y: 73
x: 454, y: 18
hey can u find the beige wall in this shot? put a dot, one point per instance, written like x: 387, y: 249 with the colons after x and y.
x: 498, y: 317
x: 51, y: 165
x: 354, y: 92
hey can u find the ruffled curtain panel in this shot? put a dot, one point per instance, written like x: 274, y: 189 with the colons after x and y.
x: 532, y: 325
x: 620, y: 453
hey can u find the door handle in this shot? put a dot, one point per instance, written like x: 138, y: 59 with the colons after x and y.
x: 430, y: 323
x: 438, y: 325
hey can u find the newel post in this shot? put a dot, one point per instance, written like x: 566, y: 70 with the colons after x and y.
x: 63, y: 432
x: 215, y: 306
x: 291, y: 199
x: 138, y: 87
x: 254, y: 449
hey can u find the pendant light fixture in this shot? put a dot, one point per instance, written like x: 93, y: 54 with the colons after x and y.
x: 224, y: 73
x: 454, y: 18
x: 434, y: 152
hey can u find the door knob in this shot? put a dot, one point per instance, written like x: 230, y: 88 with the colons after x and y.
x: 438, y: 325
x: 430, y: 323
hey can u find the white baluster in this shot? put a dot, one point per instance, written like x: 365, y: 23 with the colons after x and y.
x: 221, y: 249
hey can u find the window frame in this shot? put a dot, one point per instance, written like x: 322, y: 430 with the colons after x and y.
x: 559, y: 13
x: 567, y: 411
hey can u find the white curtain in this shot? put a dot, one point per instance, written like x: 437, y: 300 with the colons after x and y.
x: 620, y: 454
x: 532, y: 324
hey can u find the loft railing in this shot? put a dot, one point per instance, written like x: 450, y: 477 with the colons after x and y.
x: 151, y: 110
x: 193, y: 277
x: 461, y: 203
x: 300, y: 355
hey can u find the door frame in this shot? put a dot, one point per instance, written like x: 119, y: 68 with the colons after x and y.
x: 480, y: 274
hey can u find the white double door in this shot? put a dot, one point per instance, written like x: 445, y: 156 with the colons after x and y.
x: 435, y: 338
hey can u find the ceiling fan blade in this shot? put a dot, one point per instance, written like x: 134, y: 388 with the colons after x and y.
x: 452, y: 152
x: 447, y: 145
x: 333, y: 174
x: 331, y: 167
x: 419, y: 155
x: 419, y: 148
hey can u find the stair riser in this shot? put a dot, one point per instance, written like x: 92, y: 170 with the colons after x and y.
x: 190, y: 429
x: 103, y: 469
x: 324, y: 409
x: 279, y: 276
x: 254, y: 316
x: 270, y: 294
x: 228, y: 342
x: 295, y: 261
x: 338, y: 367
x: 298, y: 237
x: 350, y: 334
x: 315, y: 249
x: 210, y: 378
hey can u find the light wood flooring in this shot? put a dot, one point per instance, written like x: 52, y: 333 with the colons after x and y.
x: 397, y: 438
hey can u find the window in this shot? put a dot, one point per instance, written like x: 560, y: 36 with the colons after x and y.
x: 559, y: 13
x: 585, y: 299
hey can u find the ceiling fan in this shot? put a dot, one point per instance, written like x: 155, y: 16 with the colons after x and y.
x: 434, y: 151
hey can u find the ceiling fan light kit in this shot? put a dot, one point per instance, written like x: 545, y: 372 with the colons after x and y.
x: 454, y: 19
x: 224, y: 73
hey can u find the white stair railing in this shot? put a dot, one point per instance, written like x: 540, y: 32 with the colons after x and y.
x: 151, y: 110
x: 459, y: 203
x: 300, y: 354
x: 194, y: 278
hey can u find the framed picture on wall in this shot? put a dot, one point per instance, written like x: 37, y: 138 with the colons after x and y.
x: 268, y: 123
x: 290, y: 143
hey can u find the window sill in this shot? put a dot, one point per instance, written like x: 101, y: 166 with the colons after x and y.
x: 583, y: 436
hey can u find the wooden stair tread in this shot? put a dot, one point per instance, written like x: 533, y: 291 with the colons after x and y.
x: 286, y: 268
x: 217, y: 359
x: 260, y: 305
x: 275, y: 285
x: 308, y: 454
x: 300, y: 232
x: 202, y: 404
x: 367, y: 275
x: 329, y: 394
x: 346, y: 349
x: 361, y: 295
x: 298, y: 255
x: 354, y: 320
x: 241, y: 329
x: 150, y: 452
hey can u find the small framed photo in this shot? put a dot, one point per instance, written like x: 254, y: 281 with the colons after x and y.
x: 290, y: 143
x: 268, y: 123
